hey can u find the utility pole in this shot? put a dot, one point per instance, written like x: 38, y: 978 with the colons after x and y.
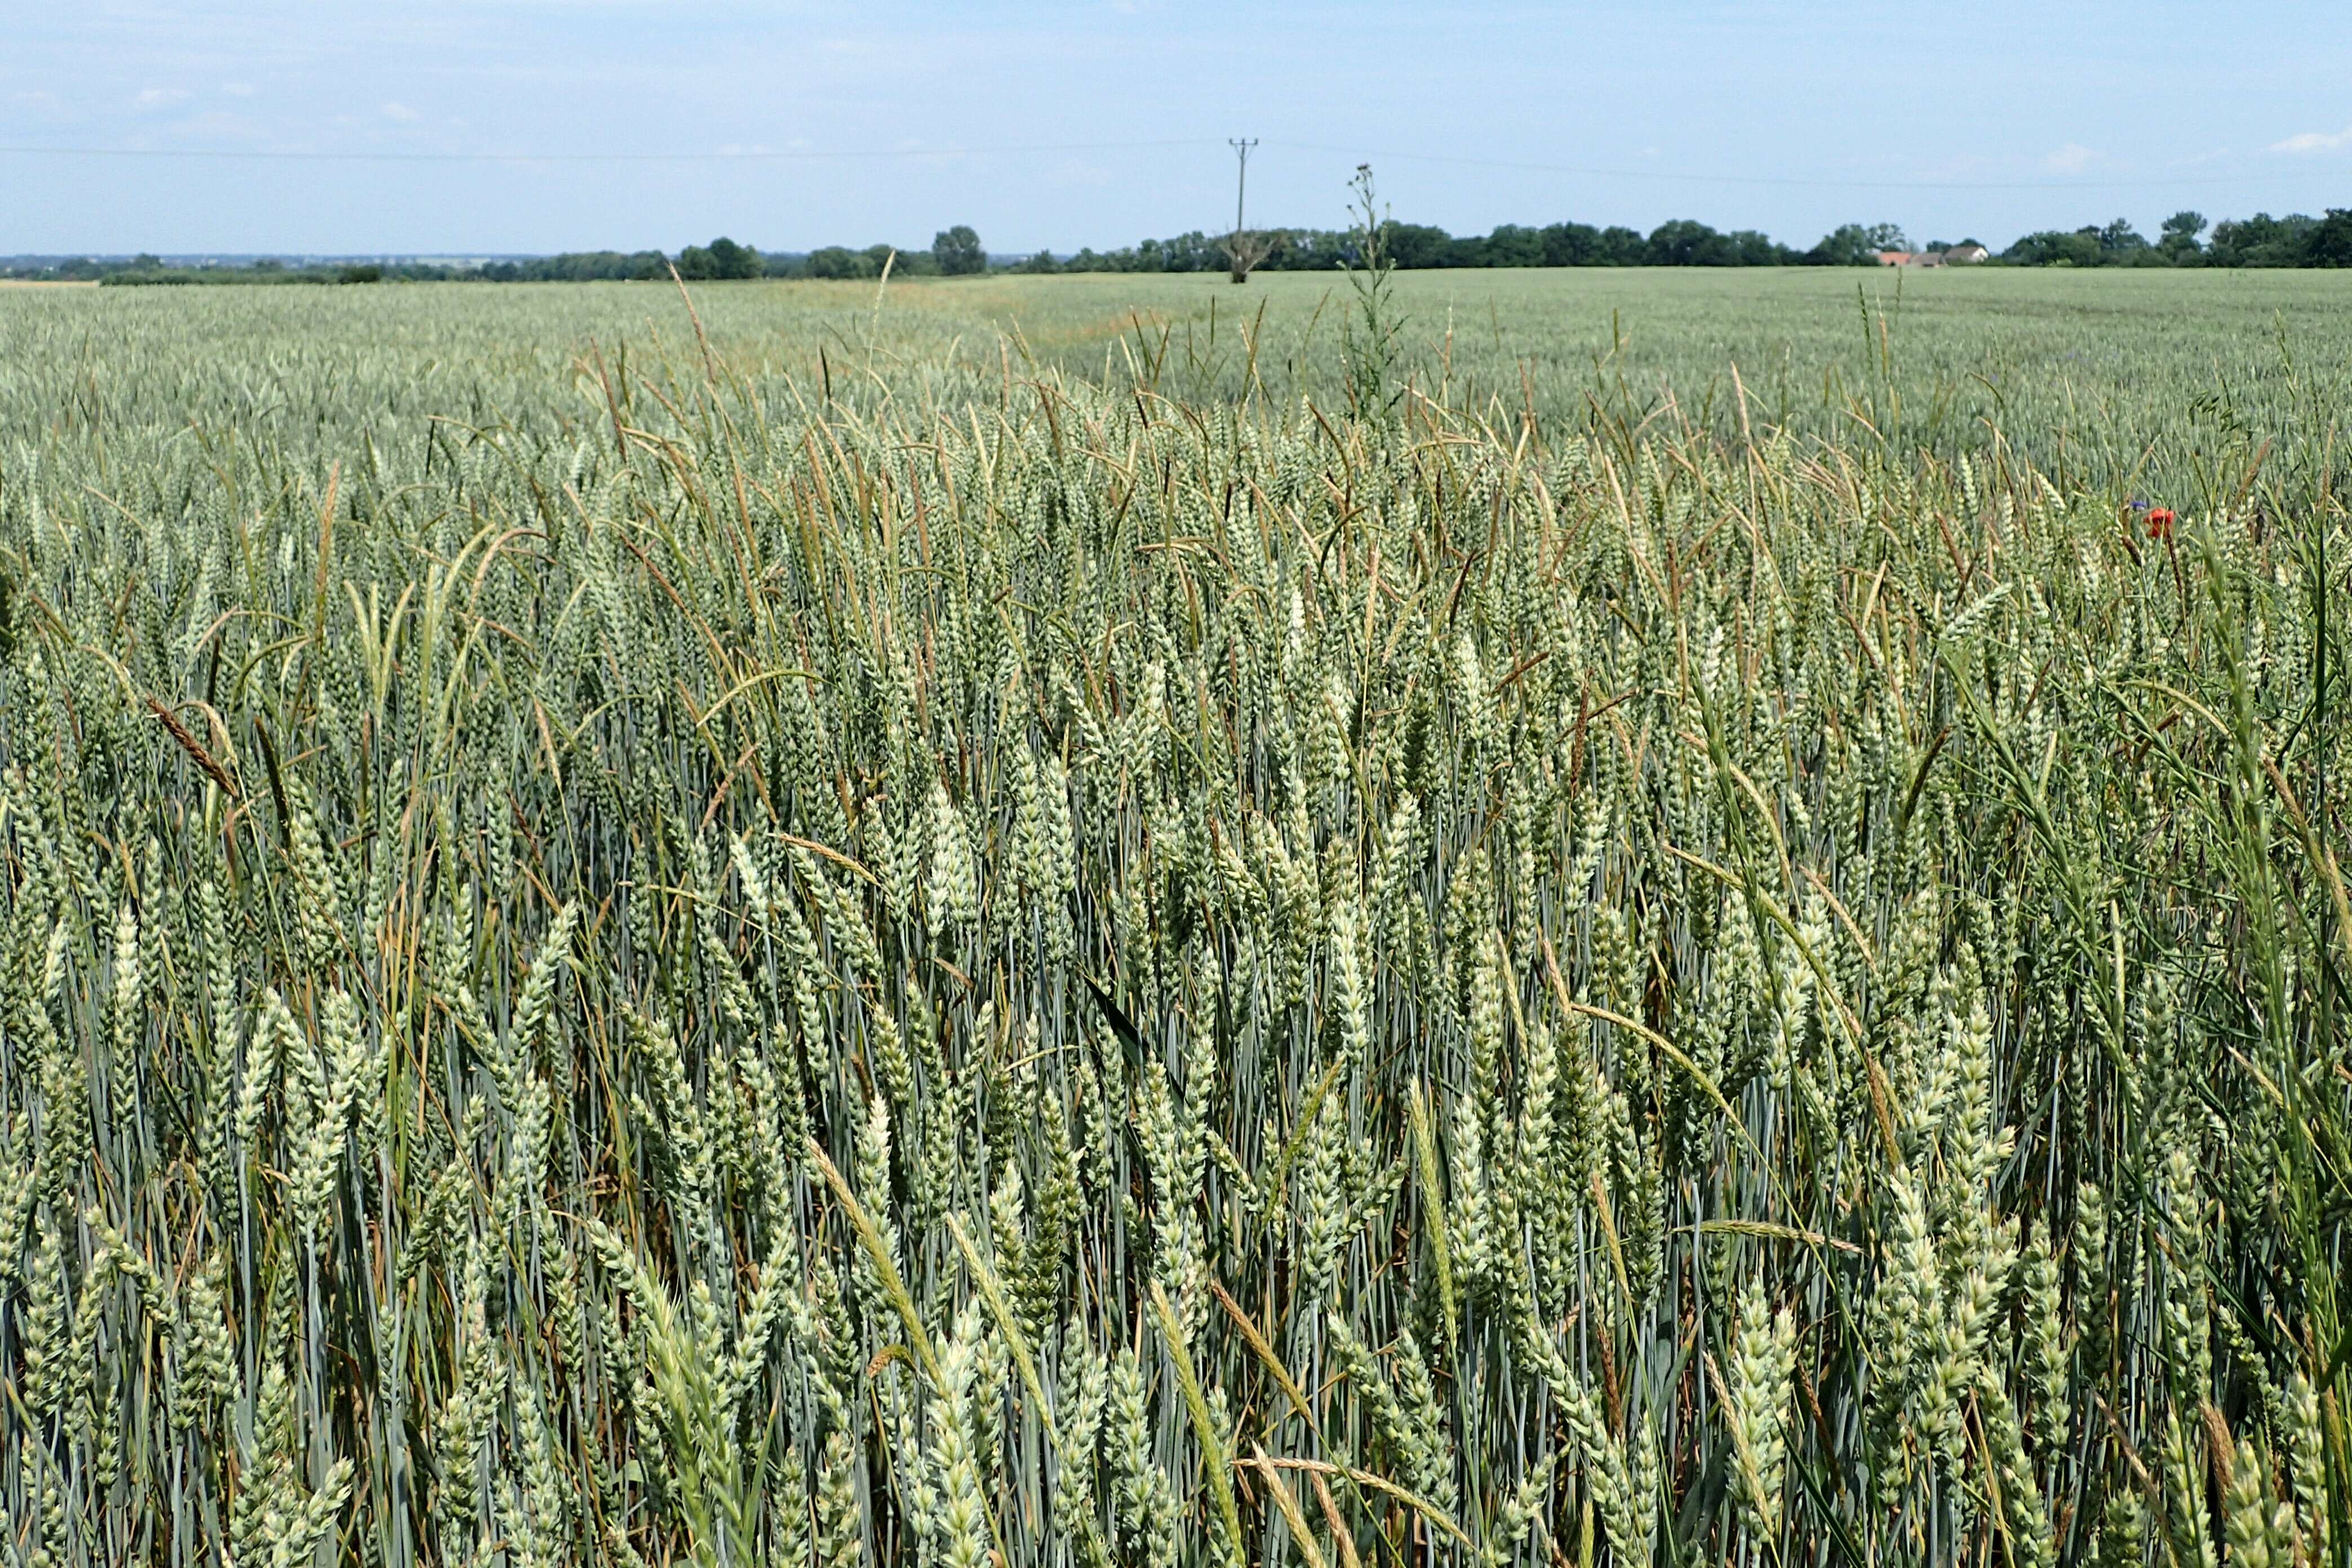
x: 1241, y: 263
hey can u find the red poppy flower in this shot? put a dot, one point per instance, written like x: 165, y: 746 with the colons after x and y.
x: 2159, y: 523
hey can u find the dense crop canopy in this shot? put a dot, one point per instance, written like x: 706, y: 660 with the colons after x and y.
x: 1062, y: 977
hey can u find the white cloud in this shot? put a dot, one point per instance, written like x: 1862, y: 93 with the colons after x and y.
x: 161, y: 98
x: 2071, y: 159
x: 237, y: 89
x: 401, y: 112
x: 2314, y: 141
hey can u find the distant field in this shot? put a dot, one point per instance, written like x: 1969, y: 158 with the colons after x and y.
x: 2086, y: 371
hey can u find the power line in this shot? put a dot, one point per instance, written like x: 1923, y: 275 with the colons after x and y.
x: 225, y: 154
x: 1680, y: 178
x: 751, y: 156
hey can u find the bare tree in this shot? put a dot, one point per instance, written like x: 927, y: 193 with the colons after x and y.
x: 1245, y: 251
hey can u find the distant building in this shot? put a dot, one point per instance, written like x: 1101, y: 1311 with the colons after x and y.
x: 1967, y: 255
x: 1910, y: 258
x: 1893, y: 258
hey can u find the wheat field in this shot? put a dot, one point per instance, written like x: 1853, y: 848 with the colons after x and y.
x: 625, y: 947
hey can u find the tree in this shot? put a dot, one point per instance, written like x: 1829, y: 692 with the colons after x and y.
x: 1410, y: 245
x: 2330, y: 244
x: 836, y: 261
x: 958, y: 251
x: 2118, y: 239
x: 2179, y: 235
x: 2263, y: 240
x: 1311, y: 250
x: 728, y: 259
x: 719, y: 260
x: 1856, y: 244
x: 1687, y: 242
x: 1192, y: 251
x: 1244, y: 250
x: 2056, y: 247
x: 1571, y: 244
x: 1618, y: 247
x: 1513, y: 245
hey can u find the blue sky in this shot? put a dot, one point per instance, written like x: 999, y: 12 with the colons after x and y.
x: 1059, y: 124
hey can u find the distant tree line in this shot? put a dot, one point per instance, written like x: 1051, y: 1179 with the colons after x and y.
x: 146, y: 269
x: 2294, y: 241
x: 1682, y: 243
x: 954, y: 252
